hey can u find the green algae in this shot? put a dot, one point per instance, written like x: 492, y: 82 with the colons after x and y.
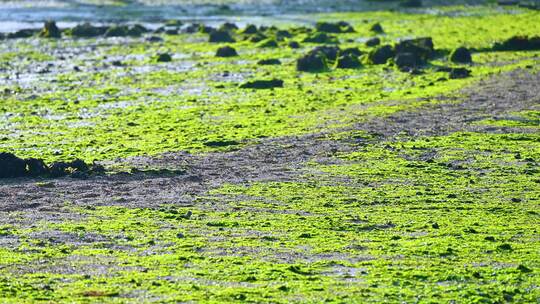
x: 146, y: 108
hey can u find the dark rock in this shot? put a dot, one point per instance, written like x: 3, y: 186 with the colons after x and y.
x: 164, y: 57
x: 312, y: 62
x: 373, y: 42
x: 348, y: 61
x: 319, y: 37
x: 205, y: 29
x: 228, y: 26
x: 50, y: 30
x: 36, y: 167
x: 270, y: 43
x: 381, y: 54
x: 257, y: 38
x: 281, y: 34
x: 226, y: 51
x: 461, y: 55
x: 58, y: 169
x: 262, y: 84
x: 351, y: 51
x: 220, y: 36
x: 11, y: 166
x: 338, y: 27
x: 269, y: 62
x: 79, y: 165
x: 117, y: 31
x: 192, y: 28
x: 25, y: 33
x: 218, y: 144
x: 171, y: 32
x: 407, y: 62
x: 294, y: 45
x: 518, y: 43
x: 330, y: 52
x: 86, y: 30
x: 377, y: 28
x: 421, y: 47
x: 250, y: 29
x: 458, y: 73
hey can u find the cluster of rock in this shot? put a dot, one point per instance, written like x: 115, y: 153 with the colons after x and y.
x: 12, y: 166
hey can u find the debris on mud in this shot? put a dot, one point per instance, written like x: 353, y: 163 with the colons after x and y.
x: 461, y: 55
x: 226, y: 51
x: 50, y: 30
x: 12, y: 166
x: 262, y: 84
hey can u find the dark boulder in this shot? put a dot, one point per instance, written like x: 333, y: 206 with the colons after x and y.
x: 518, y: 43
x: 220, y: 37
x: 269, y: 62
x: 11, y: 166
x: 86, y: 30
x: 50, y: 30
x: 461, y: 55
x: 226, y: 51
x: 319, y: 37
x: 375, y: 41
x: 257, y: 38
x: 228, y: 26
x: 281, y: 34
x: 312, y: 62
x: 381, y: 55
x: 262, y: 84
x: 458, y: 73
x: 348, y: 61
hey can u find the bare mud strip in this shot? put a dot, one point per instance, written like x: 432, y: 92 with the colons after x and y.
x: 181, y: 178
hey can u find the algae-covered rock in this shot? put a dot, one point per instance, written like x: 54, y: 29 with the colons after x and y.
x: 50, y: 30
x: 269, y: 43
x: 461, y: 55
x: 226, y: 51
x: 375, y: 41
x: 381, y: 55
x: 294, y: 45
x: 458, y: 73
x: 351, y: 51
x: 228, y: 26
x: 377, y: 28
x: 24, y: 33
x: 269, y: 62
x: 250, y: 29
x: 319, y: 37
x: 86, y: 30
x: 330, y: 52
x: 518, y: 43
x: 220, y: 37
x: 420, y: 47
x: 164, y: 57
x: 262, y: 84
x: 312, y: 62
x: 408, y: 62
x: 348, y: 61
x: 338, y: 27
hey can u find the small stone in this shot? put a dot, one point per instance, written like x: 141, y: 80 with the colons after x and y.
x: 381, y: 54
x: 263, y: 84
x: 164, y: 57
x: 461, y: 55
x: 377, y: 28
x: 220, y: 36
x: 373, y: 42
